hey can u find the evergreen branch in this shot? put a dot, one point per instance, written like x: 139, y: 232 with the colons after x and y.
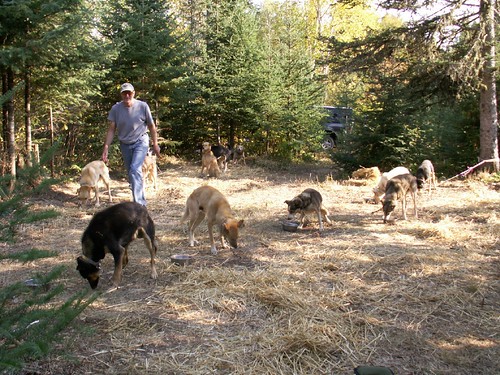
x: 28, y: 327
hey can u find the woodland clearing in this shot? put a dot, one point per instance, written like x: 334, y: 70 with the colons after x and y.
x: 420, y: 296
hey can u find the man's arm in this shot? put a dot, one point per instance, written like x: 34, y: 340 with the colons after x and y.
x: 109, y: 139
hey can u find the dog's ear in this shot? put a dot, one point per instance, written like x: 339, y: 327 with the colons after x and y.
x: 287, y: 202
x: 79, y: 262
x: 83, y: 264
x: 241, y: 224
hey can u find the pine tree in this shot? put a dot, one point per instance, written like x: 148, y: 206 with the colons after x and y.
x: 32, y: 314
x: 146, y: 49
x: 291, y: 93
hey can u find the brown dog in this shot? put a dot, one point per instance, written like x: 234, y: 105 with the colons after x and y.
x: 309, y: 201
x: 209, y: 161
x: 208, y: 202
x: 89, y: 180
x: 111, y: 231
x: 372, y: 173
x: 396, y: 190
x: 149, y: 170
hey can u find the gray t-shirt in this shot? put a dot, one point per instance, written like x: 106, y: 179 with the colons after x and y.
x: 131, y: 122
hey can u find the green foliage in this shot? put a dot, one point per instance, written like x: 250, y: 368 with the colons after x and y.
x: 219, y: 100
x: 226, y: 71
x: 32, y: 319
x: 31, y: 316
x: 415, y: 105
x: 15, y: 209
x: 289, y: 118
x: 252, y: 81
x: 144, y: 50
x: 404, y: 129
x: 29, y: 255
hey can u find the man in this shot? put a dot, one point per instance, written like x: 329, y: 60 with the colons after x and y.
x: 131, y: 119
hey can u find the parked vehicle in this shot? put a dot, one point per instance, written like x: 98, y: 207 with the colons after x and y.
x: 336, y: 120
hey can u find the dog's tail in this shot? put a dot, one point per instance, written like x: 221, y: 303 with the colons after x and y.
x: 185, y: 215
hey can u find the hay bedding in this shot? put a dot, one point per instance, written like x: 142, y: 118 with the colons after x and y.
x: 421, y: 297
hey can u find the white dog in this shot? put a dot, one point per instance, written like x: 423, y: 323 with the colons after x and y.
x: 379, y: 189
x: 91, y: 174
x: 149, y: 170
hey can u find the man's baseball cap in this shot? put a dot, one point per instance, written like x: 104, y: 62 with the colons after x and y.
x: 127, y: 87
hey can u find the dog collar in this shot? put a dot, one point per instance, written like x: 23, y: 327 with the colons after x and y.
x: 93, y: 262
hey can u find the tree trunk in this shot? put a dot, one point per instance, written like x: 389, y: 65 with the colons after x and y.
x: 11, y: 128
x: 5, y: 113
x: 51, y: 127
x: 488, y: 132
x: 27, y: 117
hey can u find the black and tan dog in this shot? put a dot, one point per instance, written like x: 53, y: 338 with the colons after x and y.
x: 396, y: 190
x: 222, y: 154
x: 208, y: 202
x: 309, y: 201
x: 111, y: 231
x: 426, y: 175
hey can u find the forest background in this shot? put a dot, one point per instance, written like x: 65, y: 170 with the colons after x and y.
x: 237, y: 72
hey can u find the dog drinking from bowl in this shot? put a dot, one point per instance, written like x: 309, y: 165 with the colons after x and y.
x: 396, y: 190
x: 207, y: 202
x: 307, y: 202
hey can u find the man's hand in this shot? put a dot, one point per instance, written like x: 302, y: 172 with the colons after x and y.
x: 156, y: 150
x: 105, y: 154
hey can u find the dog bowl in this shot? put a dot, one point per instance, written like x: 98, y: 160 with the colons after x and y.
x: 181, y: 259
x: 35, y: 283
x: 290, y: 226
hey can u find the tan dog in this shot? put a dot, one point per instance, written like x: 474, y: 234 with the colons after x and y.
x: 149, y: 170
x: 208, y: 202
x: 209, y: 163
x: 397, y: 189
x: 309, y: 201
x: 89, y: 180
x: 372, y: 173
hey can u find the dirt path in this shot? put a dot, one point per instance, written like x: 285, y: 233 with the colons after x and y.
x: 420, y: 296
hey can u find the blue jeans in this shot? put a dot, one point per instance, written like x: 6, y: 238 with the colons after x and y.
x: 133, y: 156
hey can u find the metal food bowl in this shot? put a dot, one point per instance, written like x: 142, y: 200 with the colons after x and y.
x: 36, y: 283
x: 181, y: 259
x: 290, y: 226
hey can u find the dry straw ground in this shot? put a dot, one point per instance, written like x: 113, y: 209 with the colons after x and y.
x: 420, y: 297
